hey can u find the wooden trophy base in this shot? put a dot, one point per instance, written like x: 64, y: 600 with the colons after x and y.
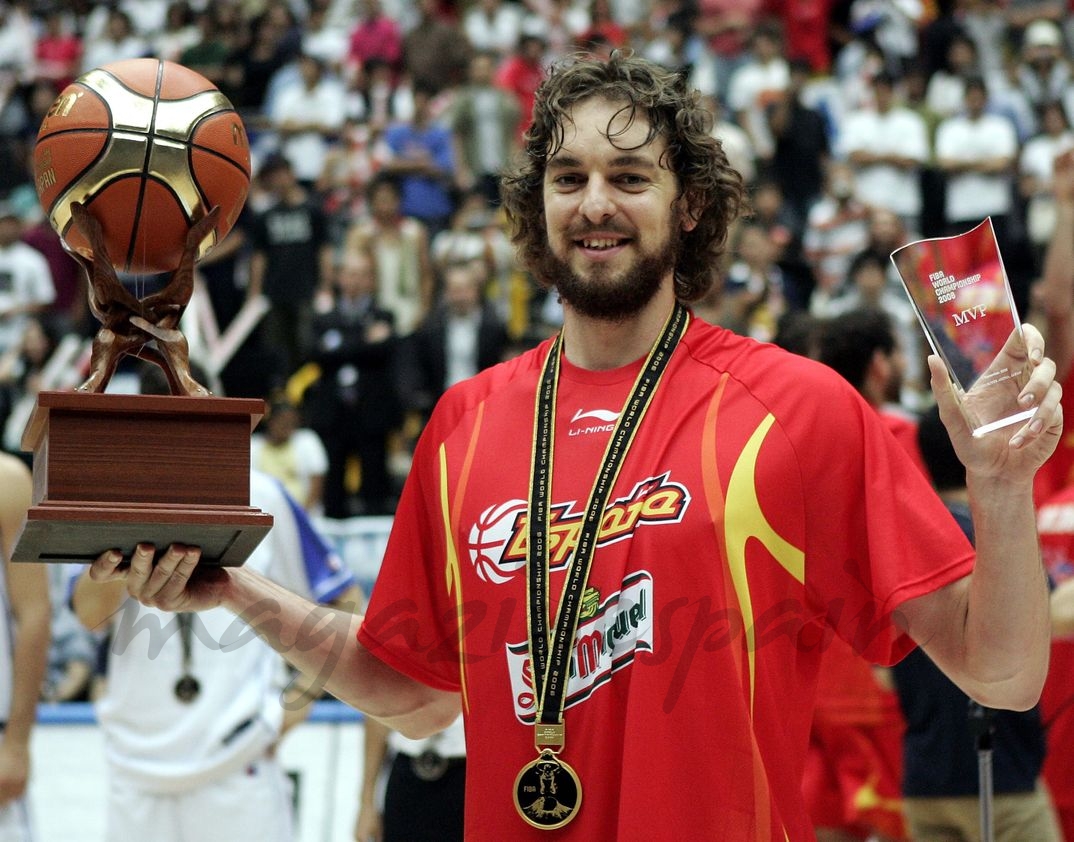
x: 110, y: 471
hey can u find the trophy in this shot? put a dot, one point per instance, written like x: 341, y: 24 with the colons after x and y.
x: 962, y: 297
x: 113, y: 470
x: 142, y: 166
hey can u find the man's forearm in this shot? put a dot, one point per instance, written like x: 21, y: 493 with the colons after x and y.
x: 28, y: 668
x: 322, y: 643
x: 1007, y: 621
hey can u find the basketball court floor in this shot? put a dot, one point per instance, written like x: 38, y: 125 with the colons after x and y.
x: 69, y: 779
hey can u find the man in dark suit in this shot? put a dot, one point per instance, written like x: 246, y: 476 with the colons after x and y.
x: 354, y: 405
x: 462, y: 336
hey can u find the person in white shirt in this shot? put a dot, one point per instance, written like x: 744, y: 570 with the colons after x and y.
x: 25, y: 280
x: 887, y: 147
x: 176, y: 33
x: 1035, y: 171
x: 294, y: 454
x: 194, y: 706
x: 325, y: 39
x: 892, y: 25
x: 17, y: 39
x: 756, y: 85
x: 1044, y: 72
x: 493, y: 25
x: 947, y: 86
x: 308, y: 113
x: 836, y: 230
x: 977, y: 151
x: 118, y: 41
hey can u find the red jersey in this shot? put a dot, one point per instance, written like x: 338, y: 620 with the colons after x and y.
x: 805, y: 31
x: 762, y: 504
x: 904, y: 428
x: 853, y: 772
x: 1055, y: 523
x: 1058, y: 472
x: 849, y: 692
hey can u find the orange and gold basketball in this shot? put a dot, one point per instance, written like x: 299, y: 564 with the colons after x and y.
x: 149, y: 147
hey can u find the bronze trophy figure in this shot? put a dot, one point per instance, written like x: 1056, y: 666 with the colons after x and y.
x: 113, y: 470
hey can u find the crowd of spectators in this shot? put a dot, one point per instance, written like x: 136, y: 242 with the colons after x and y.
x: 372, y: 267
x: 381, y: 126
x: 378, y: 130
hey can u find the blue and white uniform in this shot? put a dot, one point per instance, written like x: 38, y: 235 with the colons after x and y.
x: 203, y: 770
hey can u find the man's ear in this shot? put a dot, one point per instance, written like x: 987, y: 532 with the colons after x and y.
x: 689, y: 212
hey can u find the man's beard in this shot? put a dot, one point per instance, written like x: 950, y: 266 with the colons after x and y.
x: 609, y: 297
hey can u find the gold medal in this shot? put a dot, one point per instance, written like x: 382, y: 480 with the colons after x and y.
x: 547, y: 792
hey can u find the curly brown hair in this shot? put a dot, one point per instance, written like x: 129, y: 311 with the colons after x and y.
x: 711, y: 187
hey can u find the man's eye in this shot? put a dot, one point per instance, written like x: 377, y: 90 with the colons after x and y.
x: 566, y: 181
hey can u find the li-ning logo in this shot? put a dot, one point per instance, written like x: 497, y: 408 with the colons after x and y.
x: 973, y: 313
x: 605, y: 417
x: 498, y: 541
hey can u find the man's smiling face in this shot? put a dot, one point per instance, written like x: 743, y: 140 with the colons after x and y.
x: 611, y: 213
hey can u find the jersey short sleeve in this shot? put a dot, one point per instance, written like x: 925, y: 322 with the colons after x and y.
x: 410, y: 624
x: 880, y: 535
x: 416, y: 607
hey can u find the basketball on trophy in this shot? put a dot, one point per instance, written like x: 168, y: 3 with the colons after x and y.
x: 148, y: 147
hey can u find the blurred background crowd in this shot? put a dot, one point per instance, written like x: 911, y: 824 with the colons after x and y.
x: 372, y: 267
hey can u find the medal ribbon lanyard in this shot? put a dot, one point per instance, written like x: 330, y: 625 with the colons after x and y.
x: 550, y: 649
x: 187, y: 687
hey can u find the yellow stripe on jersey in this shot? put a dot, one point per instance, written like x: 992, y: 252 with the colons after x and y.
x: 737, y: 517
x: 717, y: 506
x: 451, y: 569
x: 742, y: 497
x: 744, y: 520
x: 450, y: 517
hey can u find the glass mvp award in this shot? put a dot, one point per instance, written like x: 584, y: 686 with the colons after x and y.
x: 962, y: 297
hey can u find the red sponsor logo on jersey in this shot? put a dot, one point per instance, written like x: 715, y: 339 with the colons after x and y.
x: 499, y: 540
x: 621, y: 627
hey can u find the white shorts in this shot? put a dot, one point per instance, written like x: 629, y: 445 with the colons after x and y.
x: 15, y: 822
x: 254, y: 803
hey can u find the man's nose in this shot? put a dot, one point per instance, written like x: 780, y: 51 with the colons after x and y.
x: 597, y: 202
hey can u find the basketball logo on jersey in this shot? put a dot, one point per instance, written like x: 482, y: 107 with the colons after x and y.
x: 497, y: 543
x: 490, y: 535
